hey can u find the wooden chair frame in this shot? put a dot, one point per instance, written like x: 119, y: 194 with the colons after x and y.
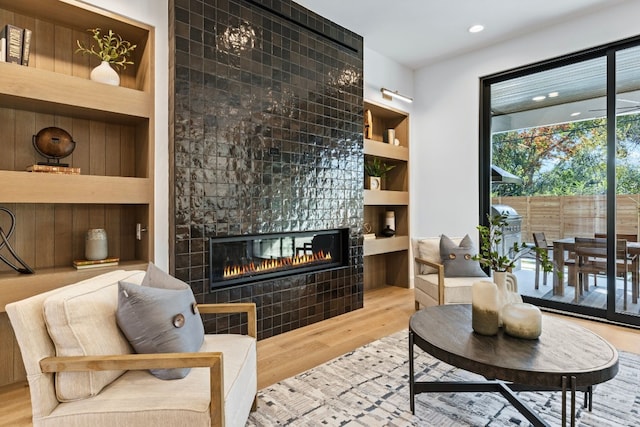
x: 212, y: 360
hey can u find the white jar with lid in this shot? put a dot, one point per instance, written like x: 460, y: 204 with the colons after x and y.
x: 95, y: 244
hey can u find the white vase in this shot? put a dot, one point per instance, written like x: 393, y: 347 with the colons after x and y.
x: 103, y: 73
x: 95, y: 245
x: 485, y: 314
x: 507, y: 284
x: 375, y: 183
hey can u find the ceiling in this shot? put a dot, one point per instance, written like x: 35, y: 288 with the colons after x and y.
x: 416, y: 33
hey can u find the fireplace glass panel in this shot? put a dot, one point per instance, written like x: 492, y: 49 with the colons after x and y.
x: 241, y: 259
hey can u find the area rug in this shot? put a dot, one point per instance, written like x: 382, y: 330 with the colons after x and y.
x: 370, y: 387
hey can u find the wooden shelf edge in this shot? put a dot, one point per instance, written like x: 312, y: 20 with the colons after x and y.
x: 383, y: 245
x: 32, y: 89
x: 387, y: 151
x: 16, y: 287
x: 36, y: 187
x: 386, y: 197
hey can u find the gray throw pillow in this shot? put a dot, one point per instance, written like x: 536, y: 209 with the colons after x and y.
x: 160, y: 316
x: 457, y: 258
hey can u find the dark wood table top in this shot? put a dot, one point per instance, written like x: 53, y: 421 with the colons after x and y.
x: 563, y: 349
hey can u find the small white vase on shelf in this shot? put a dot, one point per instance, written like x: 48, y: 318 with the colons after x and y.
x: 95, y: 245
x: 507, y: 284
x: 103, y: 73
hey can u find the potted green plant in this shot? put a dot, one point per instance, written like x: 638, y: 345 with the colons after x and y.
x: 376, y: 169
x: 111, y: 49
x: 491, y: 240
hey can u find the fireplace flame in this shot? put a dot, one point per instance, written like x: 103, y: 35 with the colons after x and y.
x: 267, y: 265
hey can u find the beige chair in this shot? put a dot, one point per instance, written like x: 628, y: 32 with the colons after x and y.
x: 430, y: 285
x: 219, y: 390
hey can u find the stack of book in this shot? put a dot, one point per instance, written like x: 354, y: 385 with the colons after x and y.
x: 368, y: 236
x: 15, y: 44
x: 81, y: 264
x: 53, y: 169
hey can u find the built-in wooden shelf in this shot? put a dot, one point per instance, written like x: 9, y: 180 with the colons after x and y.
x: 386, y: 197
x: 42, y: 91
x: 16, y: 286
x: 386, y: 151
x: 383, y: 245
x: 37, y: 187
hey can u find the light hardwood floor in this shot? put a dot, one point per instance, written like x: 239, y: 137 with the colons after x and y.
x: 386, y: 310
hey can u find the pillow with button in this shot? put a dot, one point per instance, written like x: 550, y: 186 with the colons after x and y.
x: 160, y: 316
x: 457, y: 259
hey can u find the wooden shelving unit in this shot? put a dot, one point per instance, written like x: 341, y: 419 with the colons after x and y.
x: 386, y: 259
x: 113, y: 128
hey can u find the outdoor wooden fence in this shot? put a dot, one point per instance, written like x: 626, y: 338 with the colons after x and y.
x: 571, y: 216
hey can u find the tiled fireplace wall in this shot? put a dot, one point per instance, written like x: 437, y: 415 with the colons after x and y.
x: 266, y: 111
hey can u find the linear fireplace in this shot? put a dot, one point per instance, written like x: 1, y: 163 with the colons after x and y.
x: 248, y: 258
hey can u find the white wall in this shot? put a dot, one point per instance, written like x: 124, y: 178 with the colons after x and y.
x: 156, y: 14
x: 445, y: 117
x: 379, y: 72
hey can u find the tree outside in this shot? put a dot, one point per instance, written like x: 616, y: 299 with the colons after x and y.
x: 568, y: 158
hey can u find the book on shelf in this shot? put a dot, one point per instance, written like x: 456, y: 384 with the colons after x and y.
x: 53, y: 169
x: 26, y: 46
x: 369, y: 236
x: 13, y: 36
x: 81, y: 264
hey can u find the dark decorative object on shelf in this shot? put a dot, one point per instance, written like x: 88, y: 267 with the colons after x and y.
x: 388, y: 232
x: 4, y: 241
x: 54, y: 144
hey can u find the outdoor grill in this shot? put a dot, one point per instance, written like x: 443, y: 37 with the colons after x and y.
x: 511, y: 232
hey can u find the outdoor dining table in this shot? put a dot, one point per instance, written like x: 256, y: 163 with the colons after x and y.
x: 567, y: 244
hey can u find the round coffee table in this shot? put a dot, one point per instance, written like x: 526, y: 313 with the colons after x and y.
x: 565, y: 357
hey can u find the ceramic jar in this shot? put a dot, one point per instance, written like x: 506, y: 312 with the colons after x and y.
x: 522, y: 320
x: 485, y: 317
x: 96, y: 246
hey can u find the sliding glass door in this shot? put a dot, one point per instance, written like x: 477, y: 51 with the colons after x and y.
x: 560, y: 152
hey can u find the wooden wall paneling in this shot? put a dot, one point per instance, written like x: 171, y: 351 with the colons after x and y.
x: 63, y: 235
x: 80, y: 226
x: 63, y: 50
x: 44, y: 236
x: 112, y: 150
x: 24, y: 154
x: 7, y: 355
x: 44, y: 50
x: 80, y: 63
x: 97, y: 148
x: 375, y: 272
x: 80, y: 133
x: 128, y: 150
x: 25, y: 233
x: 7, y: 142
x: 397, y: 269
x: 143, y: 149
x: 114, y: 229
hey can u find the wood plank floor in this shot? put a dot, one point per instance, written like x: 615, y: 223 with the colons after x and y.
x: 385, y: 311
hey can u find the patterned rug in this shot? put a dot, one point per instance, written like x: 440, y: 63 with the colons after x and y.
x: 370, y: 387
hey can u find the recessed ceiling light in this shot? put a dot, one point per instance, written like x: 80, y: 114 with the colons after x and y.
x: 577, y: 113
x: 539, y: 98
x: 553, y: 94
x: 476, y: 28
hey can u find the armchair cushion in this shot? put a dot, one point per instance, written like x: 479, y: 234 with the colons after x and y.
x: 429, y: 249
x: 160, y: 317
x: 81, y: 322
x: 457, y: 258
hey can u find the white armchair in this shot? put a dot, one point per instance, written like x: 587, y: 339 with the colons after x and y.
x: 431, y: 287
x: 219, y: 390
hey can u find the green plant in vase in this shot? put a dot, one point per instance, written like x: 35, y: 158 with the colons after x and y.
x: 112, y: 49
x: 491, y: 240
x: 376, y: 170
